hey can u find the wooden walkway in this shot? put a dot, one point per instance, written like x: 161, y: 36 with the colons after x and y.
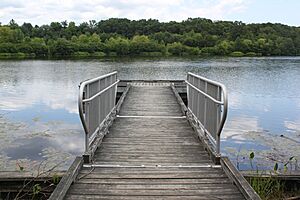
x: 152, y: 152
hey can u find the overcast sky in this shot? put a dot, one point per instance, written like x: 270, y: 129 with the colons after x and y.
x: 250, y: 11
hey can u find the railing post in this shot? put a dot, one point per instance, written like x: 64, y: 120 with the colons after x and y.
x: 87, y: 117
x: 115, y: 93
x: 219, y: 96
x: 188, y: 92
x: 86, y: 155
x: 205, y: 109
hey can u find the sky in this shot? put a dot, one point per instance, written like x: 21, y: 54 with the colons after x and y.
x: 40, y: 12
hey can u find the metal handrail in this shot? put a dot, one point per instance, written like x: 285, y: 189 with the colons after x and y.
x: 82, y: 100
x: 99, y: 93
x: 208, y: 96
x: 223, y: 102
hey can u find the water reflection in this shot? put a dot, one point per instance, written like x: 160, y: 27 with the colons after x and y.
x: 38, y: 104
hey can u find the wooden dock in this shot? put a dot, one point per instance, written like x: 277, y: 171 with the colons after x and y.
x: 151, y: 151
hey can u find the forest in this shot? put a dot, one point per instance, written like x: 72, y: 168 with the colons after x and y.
x: 124, y: 37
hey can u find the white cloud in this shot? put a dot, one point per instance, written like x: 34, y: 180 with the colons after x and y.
x: 28, y: 95
x: 238, y: 126
x: 216, y: 10
x: 235, y: 101
x: 293, y: 125
x: 45, y: 11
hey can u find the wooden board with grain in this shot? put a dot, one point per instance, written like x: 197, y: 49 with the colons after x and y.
x: 152, y: 152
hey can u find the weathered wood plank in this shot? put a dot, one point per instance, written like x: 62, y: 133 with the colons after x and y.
x: 175, y: 169
x: 153, y: 143
x: 153, y: 163
x: 167, y: 148
x: 209, y: 172
x: 178, y: 197
x: 154, y: 151
x: 238, y: 179
x: 146, y: 161
x: 65, y: 183
x: 207, y: 186
x: 151, y: 151
x: 154, y: 192
x: 287, y: 176
x: 23, y: 175
x: 149, y: 137
x: 150, y: 157
x: 174, y: 181
x: 170, y: 175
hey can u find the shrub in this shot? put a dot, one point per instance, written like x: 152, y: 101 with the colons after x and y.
x: 208, y: 51
x: 98, y: 54
x: 5, y: 55
x: 152, y: 54
x: 80, y: 54
x: 237, y: 54
x: 250, y: 54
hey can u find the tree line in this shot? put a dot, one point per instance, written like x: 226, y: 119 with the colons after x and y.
x: 122, y: 37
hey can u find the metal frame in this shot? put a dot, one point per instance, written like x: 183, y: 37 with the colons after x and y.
x: 208, y: 103
x: 98, y: 104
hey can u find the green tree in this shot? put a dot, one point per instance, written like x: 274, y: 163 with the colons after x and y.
x: 193, y: 39
x: 178, y: 49
x: 142, y: 43
x: 118, y: 45
x: 13, y: 24
x: 224, y: 48
x: 150, y: 37
x: 11, y: 35
x: 245, y: 45
x: 6, y: 34
x: 8, y: 48
x: 286, y: 46
x: 71, y: 30
x: 62, y: 47
x: 27, y: 29
x: 95, y: 38
x: 17, y: 36
x: 39, y: 47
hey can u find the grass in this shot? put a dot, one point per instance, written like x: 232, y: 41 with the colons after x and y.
x: 267, y: 187
x: 270, y: 187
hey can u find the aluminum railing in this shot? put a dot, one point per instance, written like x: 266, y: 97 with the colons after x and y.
x: 207, y: 102
x: 97, y: 100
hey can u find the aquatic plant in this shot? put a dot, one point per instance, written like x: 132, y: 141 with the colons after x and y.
x: 36, y: 190
x: 266, y: 184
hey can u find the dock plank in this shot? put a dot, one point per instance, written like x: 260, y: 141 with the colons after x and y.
x: 178, y: 197
x: 153, y: 153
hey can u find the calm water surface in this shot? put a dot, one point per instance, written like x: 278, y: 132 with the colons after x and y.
x: 39, y: 118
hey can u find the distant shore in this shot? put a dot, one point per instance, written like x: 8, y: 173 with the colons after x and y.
x: 147, y: 38
x: 100, y: 56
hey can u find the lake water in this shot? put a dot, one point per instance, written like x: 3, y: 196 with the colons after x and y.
x: 39, y: 118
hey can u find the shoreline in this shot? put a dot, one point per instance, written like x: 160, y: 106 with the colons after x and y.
x: 132, y: 57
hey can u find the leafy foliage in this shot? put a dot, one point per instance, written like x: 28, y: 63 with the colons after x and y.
x: 268, y: 186
x: 194, y: 36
